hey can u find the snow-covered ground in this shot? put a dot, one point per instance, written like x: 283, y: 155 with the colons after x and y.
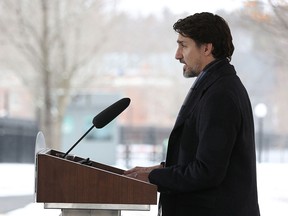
x: 18, y: 180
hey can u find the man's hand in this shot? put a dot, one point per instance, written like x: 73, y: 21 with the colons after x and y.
x: 141, y: 173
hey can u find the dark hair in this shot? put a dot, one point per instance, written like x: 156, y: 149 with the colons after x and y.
x: 208, y: 28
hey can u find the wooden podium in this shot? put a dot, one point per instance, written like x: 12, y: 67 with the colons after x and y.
x: 94, y: 189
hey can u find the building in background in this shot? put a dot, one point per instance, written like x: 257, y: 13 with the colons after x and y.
x: 98, y: 145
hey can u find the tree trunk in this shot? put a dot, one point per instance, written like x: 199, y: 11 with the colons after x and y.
x: 47, y: 120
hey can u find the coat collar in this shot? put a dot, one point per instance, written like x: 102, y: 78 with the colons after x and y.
x: 213, y: 72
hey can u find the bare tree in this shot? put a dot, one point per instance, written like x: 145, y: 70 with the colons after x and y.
x: 277, y: 26
x: 272, y: 21
x: 56, y: 40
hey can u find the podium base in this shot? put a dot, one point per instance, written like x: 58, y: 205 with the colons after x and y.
x: 85, y: 212
x: 76, y: 209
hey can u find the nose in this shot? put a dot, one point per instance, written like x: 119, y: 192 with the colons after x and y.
x: 178, y: 54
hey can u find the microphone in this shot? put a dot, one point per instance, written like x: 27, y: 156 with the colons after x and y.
x: 111, y: 112
x: 104, y: 118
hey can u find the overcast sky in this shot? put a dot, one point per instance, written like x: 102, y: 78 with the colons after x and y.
x: 145, y: 7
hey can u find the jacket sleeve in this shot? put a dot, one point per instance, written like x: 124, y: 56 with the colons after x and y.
x: 218, y: 121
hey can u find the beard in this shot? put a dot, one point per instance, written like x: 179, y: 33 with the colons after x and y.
x: 189, y: 72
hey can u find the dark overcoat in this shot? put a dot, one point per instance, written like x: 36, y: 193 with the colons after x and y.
x: 210, y: 164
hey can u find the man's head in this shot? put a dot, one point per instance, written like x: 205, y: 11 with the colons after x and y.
x: 207, y: 37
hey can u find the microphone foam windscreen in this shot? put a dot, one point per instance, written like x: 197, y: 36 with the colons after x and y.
x: 111, y: 112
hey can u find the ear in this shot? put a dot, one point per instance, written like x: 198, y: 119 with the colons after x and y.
x: 208, y: 49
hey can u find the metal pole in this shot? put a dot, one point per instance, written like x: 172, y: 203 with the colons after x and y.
x: 260, y: 139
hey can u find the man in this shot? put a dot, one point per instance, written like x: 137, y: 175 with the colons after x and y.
x: 210, y: 168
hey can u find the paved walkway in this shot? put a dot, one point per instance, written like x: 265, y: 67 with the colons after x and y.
x: 14, y: 202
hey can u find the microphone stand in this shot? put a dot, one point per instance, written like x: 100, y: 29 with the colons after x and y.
x: 77, y: 142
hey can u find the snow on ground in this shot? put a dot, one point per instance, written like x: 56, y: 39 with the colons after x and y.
x: 34, y: 209
x: 18, y: 179
x: 273, y: 189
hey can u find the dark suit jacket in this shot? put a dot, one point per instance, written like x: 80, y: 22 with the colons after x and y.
x: 210, y: 164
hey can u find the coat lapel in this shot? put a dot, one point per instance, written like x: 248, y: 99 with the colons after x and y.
x: 195, y: 93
